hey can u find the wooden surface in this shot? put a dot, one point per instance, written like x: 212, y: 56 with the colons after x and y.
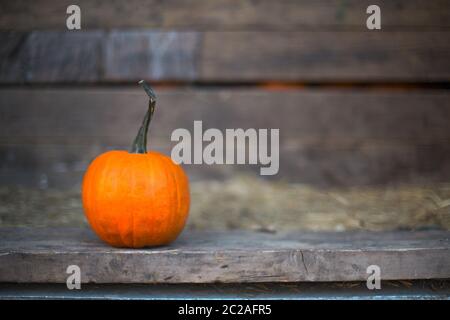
x: 226, y: 14
x: 390, y: 290
x: 354, y: 107
x: 220, y: 56
x: 42, y: 255
x: 86, y: 116
x: 327, y: 136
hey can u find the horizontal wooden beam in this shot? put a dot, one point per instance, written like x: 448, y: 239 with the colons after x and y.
x: 60, y: 166
x: 43, y: 255
x: 225, y: 14
x: 327, y: 137
x: 187, y: 56
x: 391, y: 290
x: 340, y: 118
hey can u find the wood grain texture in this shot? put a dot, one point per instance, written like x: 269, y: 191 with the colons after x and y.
x: 60, y: 166
x: 326, y: 56
x: 327, y: 137
x: 128, y: 56
x: 340, y: 117
x: 225, y: 14
x: 43, y: 255
x: 50, y: 57
x: 392, y: 290
x: 154, y: 55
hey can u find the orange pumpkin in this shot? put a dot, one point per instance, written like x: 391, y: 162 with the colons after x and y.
x: 138, y: 198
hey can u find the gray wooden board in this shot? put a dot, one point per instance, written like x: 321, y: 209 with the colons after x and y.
x: 327, y: 136
x: 225, y: 14
x: 58, y: 166
x: 390, y: 290
x: 85, y: 116
x: 43, y: 255
x: 241, y: 56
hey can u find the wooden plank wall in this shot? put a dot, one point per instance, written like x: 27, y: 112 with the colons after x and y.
x: 354, y: 107
x: 220, y: 15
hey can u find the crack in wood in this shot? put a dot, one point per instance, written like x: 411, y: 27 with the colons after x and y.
x: 303, y: 262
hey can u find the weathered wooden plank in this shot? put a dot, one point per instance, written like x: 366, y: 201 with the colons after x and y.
x: 50, y: 57
x: 152, y: 55
x: 321, y: 165
x: 391, y: 290
x: 53, y: 57
x: 225, y: 14
x: 338, y: 117
x: 326, y: 56
x: 43, y: 255
x: 327, y: 137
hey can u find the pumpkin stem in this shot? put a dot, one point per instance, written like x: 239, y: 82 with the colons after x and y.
x: 140, y: 142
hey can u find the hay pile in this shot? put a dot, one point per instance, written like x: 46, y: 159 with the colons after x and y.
x: 247, y: 202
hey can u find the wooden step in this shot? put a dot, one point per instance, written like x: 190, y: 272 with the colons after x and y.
x: 33, y: 255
